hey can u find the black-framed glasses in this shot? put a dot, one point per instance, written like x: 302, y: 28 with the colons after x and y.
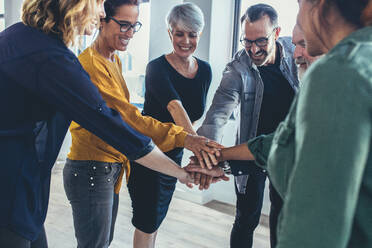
x: 260, y: 42
x: 125, y: 26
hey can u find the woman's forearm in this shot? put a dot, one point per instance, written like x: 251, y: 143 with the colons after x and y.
x: 158, y: 161
x: 180, y: 116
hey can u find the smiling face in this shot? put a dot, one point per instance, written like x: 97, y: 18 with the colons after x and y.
x: 302, y: 58
x: 113, y: 38
x: 259, y: 29
x: 184, y: 42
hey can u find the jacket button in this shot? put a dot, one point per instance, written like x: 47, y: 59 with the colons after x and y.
x: 91, y: 178
x: 94, y: 167
x: 92, y: 184
x: 240, y: 172
x: 75, y: 174
x: 109, y: 180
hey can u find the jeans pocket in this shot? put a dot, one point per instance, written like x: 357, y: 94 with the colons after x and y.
x: 104, y: 179
x: 75, y: 183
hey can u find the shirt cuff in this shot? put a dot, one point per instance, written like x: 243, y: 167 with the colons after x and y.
x: 260, y: 148
x: 242, y: 167
x: 180, y: 139
x: 140, y: 153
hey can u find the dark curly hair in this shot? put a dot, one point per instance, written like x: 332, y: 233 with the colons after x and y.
x: 111, y: 7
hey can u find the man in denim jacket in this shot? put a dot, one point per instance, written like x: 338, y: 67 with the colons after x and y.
x: 265, y: 63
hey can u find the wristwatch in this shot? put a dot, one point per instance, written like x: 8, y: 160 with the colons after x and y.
x: 225, y: 166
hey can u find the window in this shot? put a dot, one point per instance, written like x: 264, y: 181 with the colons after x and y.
x: 135, y: 59
x: 2, y: 21
x: 287, y: 14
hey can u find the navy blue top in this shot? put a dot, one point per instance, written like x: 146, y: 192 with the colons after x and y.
x: 42, y: 88
x: 277, y: 97
x: 164, y: 84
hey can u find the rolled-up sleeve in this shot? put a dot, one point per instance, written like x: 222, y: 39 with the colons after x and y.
x: 260, y: 148
x: 62, y: 82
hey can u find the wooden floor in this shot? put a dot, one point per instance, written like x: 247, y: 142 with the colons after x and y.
x: 188, y: 225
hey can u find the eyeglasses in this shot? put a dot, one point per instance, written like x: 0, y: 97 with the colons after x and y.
x: 260, y: 42
x: 125, y: 26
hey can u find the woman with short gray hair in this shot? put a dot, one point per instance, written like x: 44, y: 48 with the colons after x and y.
x: 176, y: 88
x: 186, y: 16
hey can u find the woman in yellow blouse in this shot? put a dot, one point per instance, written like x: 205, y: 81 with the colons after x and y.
x: 94, y: 170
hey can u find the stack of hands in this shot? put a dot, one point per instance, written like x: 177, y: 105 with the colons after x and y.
x: 203, y: 169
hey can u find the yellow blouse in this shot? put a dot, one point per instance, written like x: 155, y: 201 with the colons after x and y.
x: 108, y: 78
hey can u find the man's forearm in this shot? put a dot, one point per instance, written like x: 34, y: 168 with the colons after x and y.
x: 239, y: 152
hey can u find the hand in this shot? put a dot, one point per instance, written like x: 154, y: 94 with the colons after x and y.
x: 186, y: 178
x: 204, y: 177
x: 204, y: 149
x: 204, y: 181
x: 214, y: 158
x: 214, y: 172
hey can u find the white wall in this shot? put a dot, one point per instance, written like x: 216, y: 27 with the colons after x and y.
x: 12, y: 11
x: 159, y: 39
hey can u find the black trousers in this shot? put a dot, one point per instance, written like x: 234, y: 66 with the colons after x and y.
x: 11, y: 239
x: 248, y: 211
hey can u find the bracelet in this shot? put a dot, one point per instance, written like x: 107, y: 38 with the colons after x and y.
x: 225, y: 166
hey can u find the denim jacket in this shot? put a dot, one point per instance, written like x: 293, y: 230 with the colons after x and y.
x: 242, y: 86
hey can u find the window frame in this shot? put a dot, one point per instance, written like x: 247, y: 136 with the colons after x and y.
x: 236, y: 29
x: 2, y: 17
x: 2, y: 14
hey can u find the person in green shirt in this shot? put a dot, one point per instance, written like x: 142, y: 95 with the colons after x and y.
x: 319, y: 159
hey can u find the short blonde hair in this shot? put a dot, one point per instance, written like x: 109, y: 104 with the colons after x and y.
x: 65, y: 18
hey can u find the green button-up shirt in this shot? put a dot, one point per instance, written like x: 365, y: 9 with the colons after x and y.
x: 319, y: 159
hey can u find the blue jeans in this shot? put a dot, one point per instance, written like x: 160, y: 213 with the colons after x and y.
x: 89, y: 186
